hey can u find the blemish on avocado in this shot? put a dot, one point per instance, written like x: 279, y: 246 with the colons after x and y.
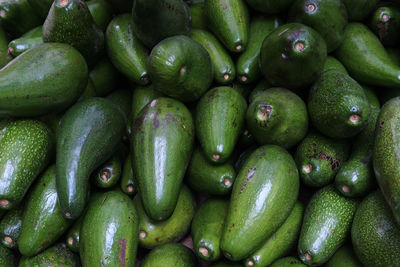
x: 121, y: 255
x: 250, y: 174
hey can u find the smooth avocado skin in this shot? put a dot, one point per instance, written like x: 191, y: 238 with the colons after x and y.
x: 358, y: 10
x: 270, y: 6
x: 141, y: 96
x: 154, y: 233
x: 47, y: 78
x: 326, y: 225
x: 125, y: 50
x: 375, y: 235
x: 30, y: 39
x: 384, y: 157
x: 319, y: 158
x: 338, y: 106
x: 90, y: 132
x: 207, y: 226
x: 247, y: 66
x: 171, y: 254
x: 263, y: 195
x: 281, y: 242
x: 10, y: 227
x: 327, y: 17
x: 109, y: 173
x: 42, y: 221
x: 361, y: 47
x: 128, y: 180
x: 277, y: 116
x: 344, y: 256
x: 288, y: 262
x: 155, y: 20
x: 206, y: 177
x: 292, y: 56
x: 229, y: 20
x: 70, y: 22
x: 223, y: 66
x: 180, y: 68
x: 219, y: 120
x: 101, y: 12
x: 104, y: 77
x: 27, y: 147
x: 57, y: 255
x: 332, y: 63
x: 162, y: 143
x: 384, y: 22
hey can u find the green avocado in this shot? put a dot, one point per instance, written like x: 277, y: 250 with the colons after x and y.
x: 30, y: 39
x: 168, y: 255
x: 10, y: 227
x: 57, y: 255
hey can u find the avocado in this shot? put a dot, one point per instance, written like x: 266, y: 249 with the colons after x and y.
x: 281, y: 242
x: 277, y: 116
x: 327, y: 17
x: 101, y: 12
x: 384, y: 22
x: 288, y: 262
x: 57, y: 255
x: 207, y: 226
x: 270, y: 6
x: 220, y: 118
x: 109, y: 232
x: 7, y: 258
x: 246, y: 139
x: 162, y: 143
x: 26, y: 148
x: 180, y: 68
x: 206, y: 177
x: 247, y: 66
x: 326, y: 225
x: 333, y: 63
x: 199, y: 20
x: 108, y: 174
x: 42, y: 221
x: 171, y: 254
x: 72, y: 237
x: 104, y: 77
x: 375, y: 234
x: 365, y: 58
x: 385, y: 153
x: 260, y: 87
x: 319, y: 158
x: 229, y: 20
x: 223, y: 66
x: 10, y: 227
x: 142, y: 95
x: 344, y: 256
x: 47, y: 78
x: 90, y: 132
x: 128, y: 180
x: 28, y: 40
x: 337, y: 105
x: 155, y: 20
x: 5, y: 56
x: 70, y: 22
x: 125, y: 50
x: 358, y: 10
x: 153, y: 233
x: 263, y: 195
x: 292, y: 56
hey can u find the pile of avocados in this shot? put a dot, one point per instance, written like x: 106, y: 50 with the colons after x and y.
x: 184, y: 133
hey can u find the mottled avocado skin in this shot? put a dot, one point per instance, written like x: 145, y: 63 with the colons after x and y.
x: 375, y: 234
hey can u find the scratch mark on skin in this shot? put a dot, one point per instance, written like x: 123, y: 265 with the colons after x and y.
x: 250, y: 174
x: 121, y: 255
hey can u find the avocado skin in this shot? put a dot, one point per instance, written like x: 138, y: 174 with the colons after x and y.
x: 326, y: 225
x: 281, y: 242
x: 57, y: 255
x: 171, y: 254
x: 27, y: 146
x: 90, y: 132
x: 375, y: 234
x: 128, y: 180
x: 74, y: 25
x: 162, y: 135
x: 104, y: 77
x: 277, y: 116
x: 288, y: 262
x: 72, y: 237
x: 28, y: 40
x: 28, y: 87
x: 7, y: 258
x: 229, y: 20
x: 344, y: 256
x: 177, y: 76
x: 333, y: 100
x: 386, y: 29
x: 142, y: 95
x: 199, y: 20
x: 360, y: 47
x: 101, y: 12
x: 5, y: 57
x: 155, y: 20
x: 112, y: 167
x: 170, y: 230
x: 270, y: 6
x: 329, y: 18
x: 385, y: 154
x: 42, y: 221
x: 325, y: 155
x: 125, y: 50
x: 247, y: 66
x: 110, y: 231
x: 358, y: 10
x: 207, y: 226
x: 206, y: 177
x: 333, y: 63
x: 269, y: 176
x: 220, y: 118
x: 282, y: 64
x: 10, y: 226
x: 221, y: 60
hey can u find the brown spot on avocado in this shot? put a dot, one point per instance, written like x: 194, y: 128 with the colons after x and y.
x: 250, y: 174
x: 121, y: 255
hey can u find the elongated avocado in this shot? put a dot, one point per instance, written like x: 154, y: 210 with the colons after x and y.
x: 128, y: 181
x: 30, y: 39
x: 10, y: 227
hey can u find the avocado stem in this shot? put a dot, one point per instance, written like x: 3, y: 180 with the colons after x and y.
x: 244, y: 78
x: 71, y: 241
x: 355, y: 118
x: 238, y: 47
x: 308, y: 256
x: 227, y: 182
x: 129, y: 188
x: 203, y: 251
x: 105, y: 175
x: 3, y: 13
x: 8, y: 240
x: 310, y: 8
x: 216, y: 157
x: 182, y: 70
x: 250, y: 263
x: 4, y: 202
x: 346, y: 189
x: 63, y: 3
x: 226, y: 76
x: 307, y: 168
x: 142, y: 234
x: 299, y: 46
